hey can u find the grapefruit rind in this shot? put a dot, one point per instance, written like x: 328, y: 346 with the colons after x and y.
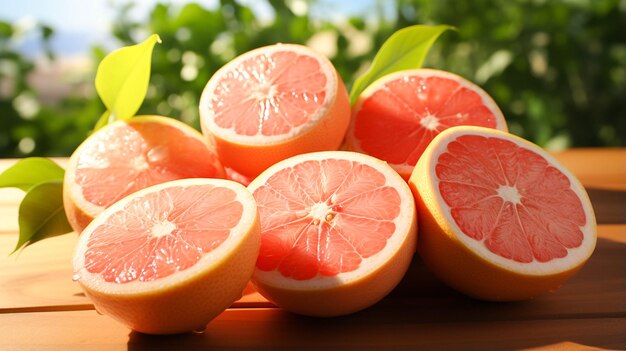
x: 346, y: 292
x: 354, y: 144
x: 185, y: 300
x: 467, y: 264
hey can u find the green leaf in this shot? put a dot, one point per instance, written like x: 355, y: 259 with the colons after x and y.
x: 103, y: 120
x: 47, y: 32
x: 405, y: 49
x: 122, y: 78
x: 41, y: 214
x: 29, y: 172
x: 6, y: 29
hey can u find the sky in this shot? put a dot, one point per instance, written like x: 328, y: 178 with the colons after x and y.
x: 81, y: 23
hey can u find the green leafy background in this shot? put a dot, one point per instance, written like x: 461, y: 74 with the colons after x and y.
x: 556, y: 68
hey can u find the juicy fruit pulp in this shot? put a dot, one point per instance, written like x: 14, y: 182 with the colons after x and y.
x: 127, y: 156
x: 500, y: 219
x: 269, y: 95
x: 272, y: 103
x: 169, y: 258
x: 329, y: 220
x: 510, y: 198
x: 396, y: 118
x: 171, y: 234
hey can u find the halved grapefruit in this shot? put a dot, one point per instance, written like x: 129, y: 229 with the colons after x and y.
x: 127, y: 156
x: 338, y: 232
x: 171, y: 257
x: 396, y: 117
x: 500, y: 218
x: 272, y: 103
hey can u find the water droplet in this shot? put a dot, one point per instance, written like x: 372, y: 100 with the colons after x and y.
x: 337, y: 208
x: 555, y: 289
x: 316, y: 221
x: 329, y: 217
x: 139, y: 163
x: 76, y: 277
x: 157, y: 154
x: 200, y: 330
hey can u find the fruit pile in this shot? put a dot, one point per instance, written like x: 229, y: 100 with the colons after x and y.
x: 166, y: 245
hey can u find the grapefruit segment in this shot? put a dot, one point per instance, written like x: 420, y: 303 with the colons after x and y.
x: 272, y: 103
x: 396, y: 117
x: 338, y: 232
x: 171, y: 257
x: 500, y: 219
x: 127, y: 156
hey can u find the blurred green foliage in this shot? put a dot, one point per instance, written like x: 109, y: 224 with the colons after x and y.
x: 557, y: 69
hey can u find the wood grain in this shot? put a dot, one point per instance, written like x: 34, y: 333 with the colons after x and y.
x: 10, y: 199
x: 40, y: 276
x: 603, y: 168
x: 595, y: 290
x: 274, y: 329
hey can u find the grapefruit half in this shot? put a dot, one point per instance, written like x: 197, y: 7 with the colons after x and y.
x: 500, y: 218
x: 272, y: 103
x: 338, y: 232
x: 127, y: 156
x: 171, y: 257
x: 396, y: 117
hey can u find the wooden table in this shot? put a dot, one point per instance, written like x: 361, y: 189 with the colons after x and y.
x: 42, y: 309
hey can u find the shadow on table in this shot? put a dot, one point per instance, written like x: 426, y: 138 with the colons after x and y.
x: 422, y: 313
x: 609, y: 205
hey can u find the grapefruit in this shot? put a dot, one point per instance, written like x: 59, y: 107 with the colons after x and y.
x: 338, y: 232
x: 126, y: 156
x: 233, y: 175
x: 500, y: 218
x: 272, y: 103
x: 396, y: 117
x: 171, y: 257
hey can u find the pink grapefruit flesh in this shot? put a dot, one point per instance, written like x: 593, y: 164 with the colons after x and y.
x: 510, y: 198
x: 127, y: 156
x: 397, y: 116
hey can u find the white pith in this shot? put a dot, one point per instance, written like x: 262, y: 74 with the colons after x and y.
x: 430, y: 122
x: 219, y: 254
x: 508, y: 193
x: 161, y: 229
x: 207, y: 116
x: 368, y: 266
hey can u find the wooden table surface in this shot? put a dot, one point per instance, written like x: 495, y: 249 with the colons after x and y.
x: 42, y: 309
